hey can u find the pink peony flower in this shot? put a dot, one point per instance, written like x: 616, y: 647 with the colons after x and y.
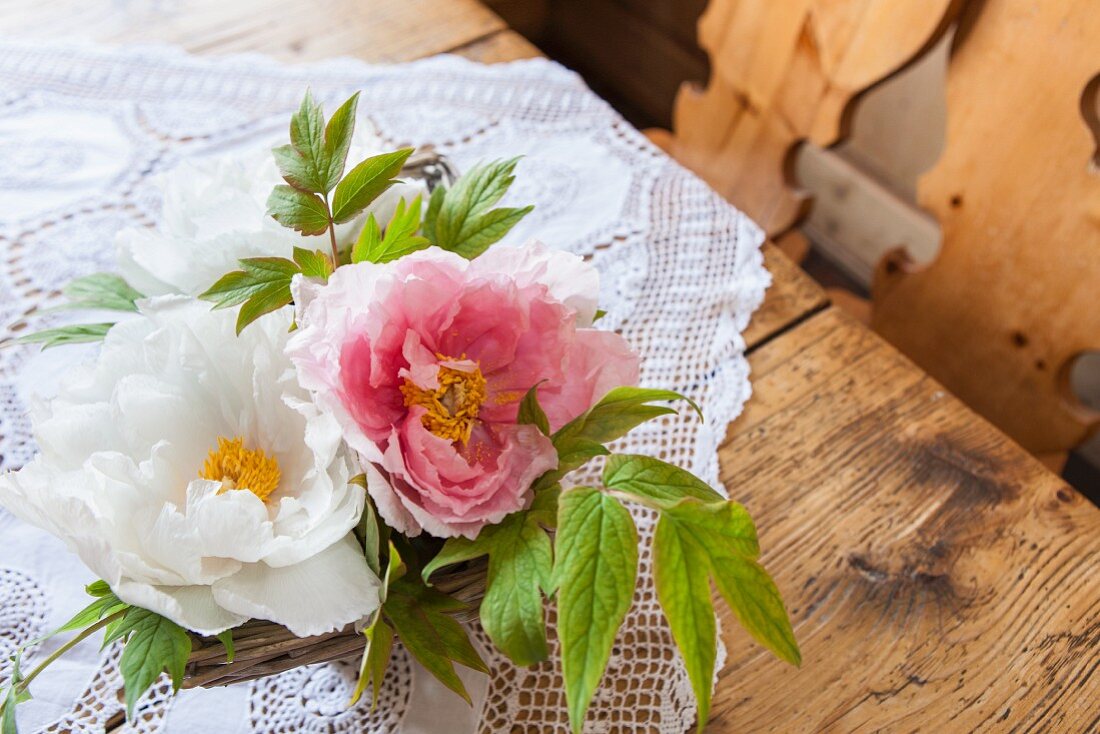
x: 424, y: 360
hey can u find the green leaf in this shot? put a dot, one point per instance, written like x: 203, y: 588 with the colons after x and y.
x: 263, y: 302
x: 369, y: 242
x: 419, y: 616
x: 460, y: 219
x: 370, y: 533
x: 258, y: 275
x: 521, y: 562
x: 435, y: 204
x: 101, y: 290
x: 299, y: 210
x: 313, y: 263
x: 754, y: 598
x: 376, y: 656
x: 683, y: 588
x: 366, y: 182
x: 645, y: 476
x: 11, y: 697
x: 400, y: 238
x: 616, y: 414
x: 154, y: 645
x: 262, y: 286
x: 699, y: 538
x: 73, y: 334
x: 103, y: 606
x: 600, y: 313
x: 479, y: 233
x: 338, y: 135
x: 304, y: 163
x: 596, y: 567
x: 226, y: 638
x: 531, y: 412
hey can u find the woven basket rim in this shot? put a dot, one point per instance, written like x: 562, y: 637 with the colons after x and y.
x: 266, y: 648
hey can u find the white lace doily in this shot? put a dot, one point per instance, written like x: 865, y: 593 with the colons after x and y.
x: 81, y: 131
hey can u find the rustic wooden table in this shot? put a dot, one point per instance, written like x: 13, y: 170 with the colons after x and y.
x: 939, y: 578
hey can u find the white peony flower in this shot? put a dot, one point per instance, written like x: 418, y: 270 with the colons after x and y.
x: 215, y: 213
x: 189, y: 470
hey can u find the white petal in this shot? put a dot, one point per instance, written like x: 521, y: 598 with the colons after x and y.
x: 322, y: 594
x: 233, y: 524
x: 192, y: 607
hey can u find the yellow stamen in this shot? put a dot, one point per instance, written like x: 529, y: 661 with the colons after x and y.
x: 239, y: 468
x: 453, y: 408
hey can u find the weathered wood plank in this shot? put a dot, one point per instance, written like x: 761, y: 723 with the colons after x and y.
x: 498, y: 47
x: 792, y: 296
x: 289, y: 30
x: 939, y: 578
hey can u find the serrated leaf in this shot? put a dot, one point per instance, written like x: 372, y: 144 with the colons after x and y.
x: 313, y: 263
x: 103, y: 606
x: 301, y: 211
x: 683, y: 588
x: 258, y: 274
x: 460, y: 219
x: 11, y: 697
x: 155, y: 644
x: 368, y: 242
x: 530, y: 412
x: 226, y: 639
x: 63, y: 335
x: 616, y: 414
x: 261, y: 287
x: 338, y: 134
x: 755, y: 600
x: 479, y: 233
x: 264, y: 301
x: 698, y: 539
x: 419, y: 617
x: 653, y: 478
x: 366, y: 182
x: 101, y: 290
x: 596, y: 567
x: 376, y: 657
x: 435, y: 204
x: 520, y: 571
x: 303, y: 163
x: 370, y: 534
x: 400, y: 238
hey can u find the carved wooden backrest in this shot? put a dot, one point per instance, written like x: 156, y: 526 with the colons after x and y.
x: 1014, y: 294
x: 782, y: 72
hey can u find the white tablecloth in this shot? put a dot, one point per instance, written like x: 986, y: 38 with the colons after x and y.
x: 81, y: 131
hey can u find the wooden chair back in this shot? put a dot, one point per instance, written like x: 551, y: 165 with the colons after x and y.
x: 1012, y: 297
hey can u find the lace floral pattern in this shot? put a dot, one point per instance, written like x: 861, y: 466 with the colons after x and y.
x: 83, y: 129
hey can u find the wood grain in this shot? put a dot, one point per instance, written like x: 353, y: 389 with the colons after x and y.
x: 783, y: 72
x: 1010, y: 300
x: 792, y: 296
x: 939, y: 578
x: 289, y: 30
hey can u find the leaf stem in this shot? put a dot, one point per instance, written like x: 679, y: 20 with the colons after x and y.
x: 332, y: 235
x: 88, y: 631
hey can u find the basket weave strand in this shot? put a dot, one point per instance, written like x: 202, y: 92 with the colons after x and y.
x: 264, y: 648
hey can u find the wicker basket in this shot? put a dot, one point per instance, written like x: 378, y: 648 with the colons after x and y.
x: 265, y: 648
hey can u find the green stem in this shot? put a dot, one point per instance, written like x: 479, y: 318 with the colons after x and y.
x: 332, y: 235
x: 88, y: 631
